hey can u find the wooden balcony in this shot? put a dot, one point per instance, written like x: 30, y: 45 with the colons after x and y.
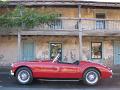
x: 72, y: 26
x: 100, y: 27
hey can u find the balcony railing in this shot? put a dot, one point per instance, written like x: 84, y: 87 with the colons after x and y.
x: 60, y: 24
x: 85, y: 24
x: 71, y: 26
x: 100, y: 24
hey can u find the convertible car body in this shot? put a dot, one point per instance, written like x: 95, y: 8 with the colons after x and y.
x: 87, y: 71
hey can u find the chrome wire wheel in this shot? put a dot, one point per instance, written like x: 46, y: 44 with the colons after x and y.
x: 91, y: 77
x: 24, y: 75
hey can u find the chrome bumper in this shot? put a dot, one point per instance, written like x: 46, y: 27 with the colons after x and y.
x: 111, y: 73
x: 11, y: 73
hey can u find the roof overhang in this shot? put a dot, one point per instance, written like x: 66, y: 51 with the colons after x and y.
x: 63, y: 3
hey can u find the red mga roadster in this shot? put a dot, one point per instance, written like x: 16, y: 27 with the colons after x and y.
x: 87, y: 71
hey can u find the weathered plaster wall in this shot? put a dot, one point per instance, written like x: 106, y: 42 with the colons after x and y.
x: 107, y: 49
x: 108, y: 52
x: 86, y: 12
x: 91, y: 13
x: 70, y: 47
x: 8, y: 50
x: 64, y: 11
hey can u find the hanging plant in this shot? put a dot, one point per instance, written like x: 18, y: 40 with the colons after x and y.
x: 26, y: 18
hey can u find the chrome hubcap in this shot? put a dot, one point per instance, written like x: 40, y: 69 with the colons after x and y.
x: 23, y: 76
x: 92, y: 77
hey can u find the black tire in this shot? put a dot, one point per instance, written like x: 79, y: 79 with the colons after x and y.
x: 91, y: 77
x: 24, y: 75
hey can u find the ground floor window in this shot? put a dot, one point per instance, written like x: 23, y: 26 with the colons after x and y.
x: 55, y: 48
x: 96, y: 50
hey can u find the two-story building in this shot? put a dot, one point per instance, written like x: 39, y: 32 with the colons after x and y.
x: 85, y: 31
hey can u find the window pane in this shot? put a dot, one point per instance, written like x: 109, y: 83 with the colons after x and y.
x: 55, y: 48
x: 100, y: 24
x: 96, y: 52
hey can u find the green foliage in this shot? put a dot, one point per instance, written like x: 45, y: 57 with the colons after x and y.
x: 3, y: 3
x: 26, y: 18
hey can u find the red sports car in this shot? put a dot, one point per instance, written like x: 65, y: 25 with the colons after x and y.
x: 87, y: 71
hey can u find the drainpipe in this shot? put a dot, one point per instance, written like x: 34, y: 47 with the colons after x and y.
x: 80, y: 33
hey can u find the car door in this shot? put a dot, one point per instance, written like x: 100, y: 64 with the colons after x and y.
x: 70, y: 71
x: 48, y: 70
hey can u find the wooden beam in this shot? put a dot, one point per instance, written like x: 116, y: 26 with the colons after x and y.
x: 64, y: 2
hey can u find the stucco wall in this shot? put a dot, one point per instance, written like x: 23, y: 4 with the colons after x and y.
x: 64, y: 11
x: 91, y: 13
x: 107, y: 49
x: 86, y: 12
x: 70, y: 47
x: 8, y: 48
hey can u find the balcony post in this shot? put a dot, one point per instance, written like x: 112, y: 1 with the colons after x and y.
x: 19, y: 44
x: 19, y: 36
x: 80, y: 33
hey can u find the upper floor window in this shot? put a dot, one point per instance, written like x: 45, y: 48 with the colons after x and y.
x: 100, y: 23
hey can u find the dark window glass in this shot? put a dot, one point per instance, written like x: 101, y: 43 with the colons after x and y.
x: 100, y: 24
x: 96, y: 50
x: 55, y: 48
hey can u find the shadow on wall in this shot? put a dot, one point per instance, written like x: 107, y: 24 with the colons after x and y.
x: 108, y: 61
x: 86, y: 55
x: 70, y: 56
x: 43, y: 56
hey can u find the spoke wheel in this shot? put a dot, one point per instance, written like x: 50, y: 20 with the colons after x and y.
x: 91, y: 77
x: 24, y: 75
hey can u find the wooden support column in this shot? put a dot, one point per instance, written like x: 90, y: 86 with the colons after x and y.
x: 80, y: 33
x: 19, y: 37
x: 19, y: 45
